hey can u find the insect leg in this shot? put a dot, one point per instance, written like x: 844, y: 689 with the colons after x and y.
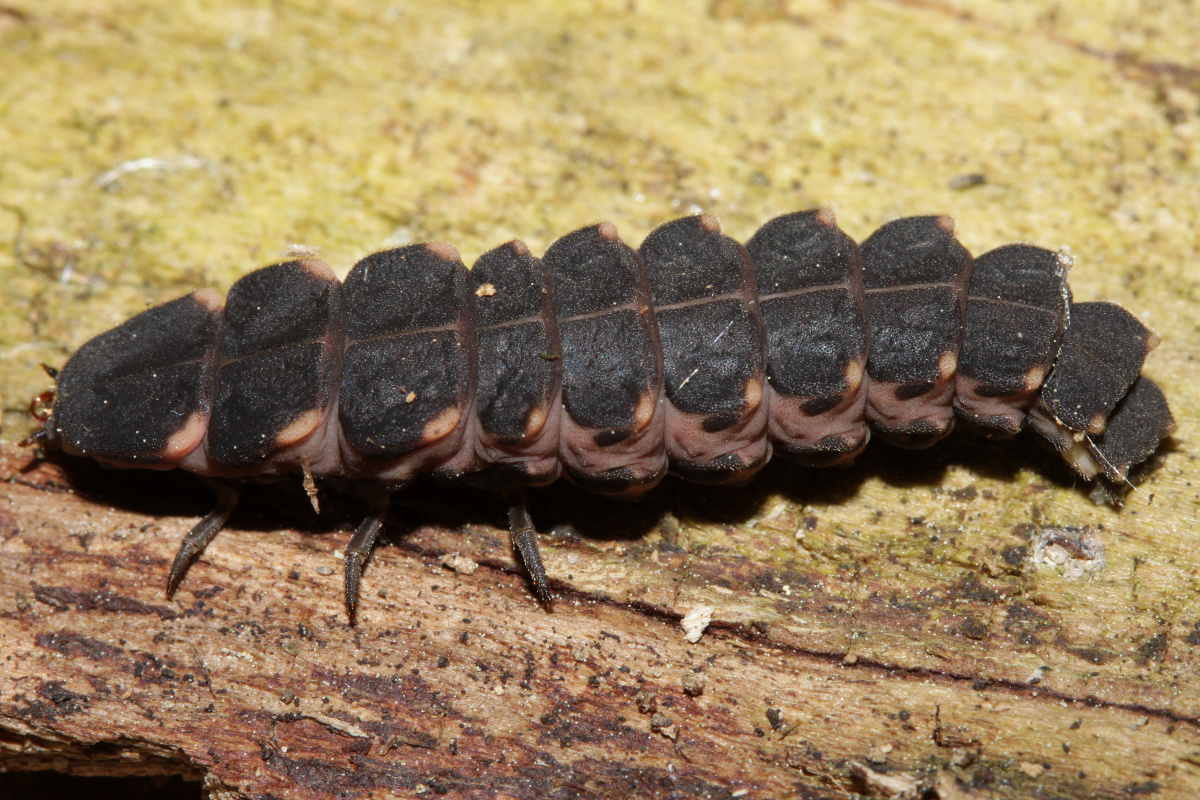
x: 524, y: 539
x: 199, y: 536
x: 362, y: 541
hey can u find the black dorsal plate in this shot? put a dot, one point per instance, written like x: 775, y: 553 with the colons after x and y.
x: 611, y: 438
x: 141, y: 393
x: 1016, y: 313
x: 520, y: 363
x: 407, y: 380
x: 1141, y: 420
x: 809, y: 281
x: 1101, y: 356
x: 916, y: 275
x: 279, y: 364
x: 713, y: 345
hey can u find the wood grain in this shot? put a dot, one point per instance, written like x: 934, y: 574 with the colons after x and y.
x: 460, y: 685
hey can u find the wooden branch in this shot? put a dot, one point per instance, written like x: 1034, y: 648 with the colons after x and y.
x: 831, y: 663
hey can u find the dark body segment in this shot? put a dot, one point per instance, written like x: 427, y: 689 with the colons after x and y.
x: 278, y: 371
x: 141, y: 393
x: 611, y: 438
x: 809, y: 282
x: 518, y: 399
x: 799, y: 358
x: 1101, y: 356
x: 1135, y: 429
x: 713, y: 345
x: 1016, y: 312
x: 916, y: 275
x: 407, y: 385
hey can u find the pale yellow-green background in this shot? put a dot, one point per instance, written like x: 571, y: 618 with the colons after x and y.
x: 147, y: 149
x: 349, y: 126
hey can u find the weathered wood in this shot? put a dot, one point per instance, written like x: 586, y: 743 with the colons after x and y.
x: 978, y: 669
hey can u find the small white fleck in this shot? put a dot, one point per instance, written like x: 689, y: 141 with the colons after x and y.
x: 695, y: 622
x: 459, y: 563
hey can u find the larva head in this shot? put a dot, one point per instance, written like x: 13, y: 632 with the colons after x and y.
x: 41, y: 408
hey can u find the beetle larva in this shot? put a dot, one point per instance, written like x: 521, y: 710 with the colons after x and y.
x: 693, y: 354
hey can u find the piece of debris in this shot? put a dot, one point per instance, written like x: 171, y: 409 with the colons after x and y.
x: 693, y: 684
x: 310, y: 484
x: 485, y: 290
x: 298, y: 251
x: 459, y: 563
x: 1031, y: 769
x: 647, y: 701
x: 664, y: 725
x: 892, y: 785
x: 149, y: 163
x: 1074, y: 552
x: 971, y: 180
x: 695, y: 621
x: 1035, y: 677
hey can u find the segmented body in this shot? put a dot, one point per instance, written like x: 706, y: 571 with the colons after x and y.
x: 693, y: 354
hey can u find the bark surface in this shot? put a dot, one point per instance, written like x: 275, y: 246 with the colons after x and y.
x: 946, y: 658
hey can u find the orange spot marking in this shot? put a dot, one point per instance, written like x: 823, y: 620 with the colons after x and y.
x: 444, y: 251
x: 1034, y: 378
x: 297, y: 429
x: 947, y: 364
x: 607, y: 231
x: 318, y: 269
x: 536, y: 421
x: 440, y: 425
x: 947, y: 224
x: 752, y: 394
x: 1096, y: 424
x: 647, y: 405
x: 518, y: 247
x: 854, y: 376
x: 210, y: 299
x: 826, y: 217
x: 186, y: 439
x: 710, y: 222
